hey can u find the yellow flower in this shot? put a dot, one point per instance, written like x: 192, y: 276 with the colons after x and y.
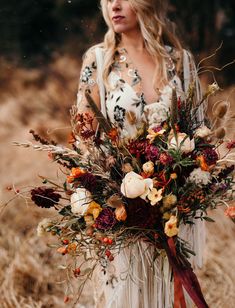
x: 173, y: 176
x: 152, y: 134
x: 148, y: 168
x: 171, y: 227
x: 94, y: 209
x: 155, y: 196
x: 169, y: 201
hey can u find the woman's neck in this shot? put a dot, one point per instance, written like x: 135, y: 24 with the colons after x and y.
x: 133, y: 40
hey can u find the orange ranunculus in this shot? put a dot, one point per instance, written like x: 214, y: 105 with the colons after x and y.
x: 113, y: 134
x: 70, y: 179
x: 202, y: 163
x: 75, y: 174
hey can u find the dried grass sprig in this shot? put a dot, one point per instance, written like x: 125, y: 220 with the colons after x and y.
x: 103, y: 122
x: 48, y: 148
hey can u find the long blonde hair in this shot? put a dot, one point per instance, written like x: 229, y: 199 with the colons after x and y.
x: 155, y: 29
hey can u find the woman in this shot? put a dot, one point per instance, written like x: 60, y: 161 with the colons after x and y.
x: 130, y: 76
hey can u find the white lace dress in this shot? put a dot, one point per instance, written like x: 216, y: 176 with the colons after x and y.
x: 133, y: 280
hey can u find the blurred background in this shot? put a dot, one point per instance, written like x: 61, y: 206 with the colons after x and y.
x: 41, y: 45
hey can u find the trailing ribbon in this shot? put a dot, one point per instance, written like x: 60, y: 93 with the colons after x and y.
x: 183, y: 277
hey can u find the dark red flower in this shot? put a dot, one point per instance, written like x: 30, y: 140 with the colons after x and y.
x: 151, y: 152
x: 210, y: 156
x: 165, y: 158
x: 88, y: 181
x: 87, y: 133
x: 45, y: 197
x: 141, y: 214
x: 231, y: 145
x: 137, y: 148
x: 84, y: 125
x: 106, y: 220
x: 157, y: 129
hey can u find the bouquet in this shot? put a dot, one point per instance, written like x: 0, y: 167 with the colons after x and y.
x: 117, y: 192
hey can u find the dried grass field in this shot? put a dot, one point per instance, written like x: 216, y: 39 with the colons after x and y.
x: 29, y: 277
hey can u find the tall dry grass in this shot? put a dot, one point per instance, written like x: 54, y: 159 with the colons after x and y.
x: 40, y: 99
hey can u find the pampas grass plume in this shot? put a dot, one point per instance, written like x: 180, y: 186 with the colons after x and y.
x: 221, y: 110
x: 220, y: 133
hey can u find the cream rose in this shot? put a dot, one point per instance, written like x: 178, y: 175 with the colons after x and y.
x: 80, y: 201
x: 202, y: 132
x: 182, y: 142
x: 133, y: 186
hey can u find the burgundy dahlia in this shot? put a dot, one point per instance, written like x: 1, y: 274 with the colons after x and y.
x: 106, y: 220
x: 165, y: 159
x: 137, y: 148
x: 88, y: 181
x: 210, y: 156
x: 142, y: 215
x: 151, y: 152
x: 45, y: 197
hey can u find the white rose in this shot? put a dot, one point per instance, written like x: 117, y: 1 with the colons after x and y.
x: 202, y: 132
x: 182, y: 142
x: 133, y: 186
x: 80, y: 201
x: 199, y: 177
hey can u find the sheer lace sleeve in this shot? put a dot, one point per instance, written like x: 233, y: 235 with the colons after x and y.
x: 88, y: 81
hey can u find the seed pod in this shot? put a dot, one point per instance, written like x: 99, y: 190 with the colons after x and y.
x: 220, y: 133
x: 221, y: 110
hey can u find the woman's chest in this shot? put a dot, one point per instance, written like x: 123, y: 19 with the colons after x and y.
x: 128, y: 110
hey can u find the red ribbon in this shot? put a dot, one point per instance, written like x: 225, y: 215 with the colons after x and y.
x: 183, y: 277
x: 179, y: 300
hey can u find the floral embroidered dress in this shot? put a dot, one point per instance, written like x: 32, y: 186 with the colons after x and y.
x: 133, y: 279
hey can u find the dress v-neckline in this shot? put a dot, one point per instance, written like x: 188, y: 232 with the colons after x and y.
x: 135, y: 93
